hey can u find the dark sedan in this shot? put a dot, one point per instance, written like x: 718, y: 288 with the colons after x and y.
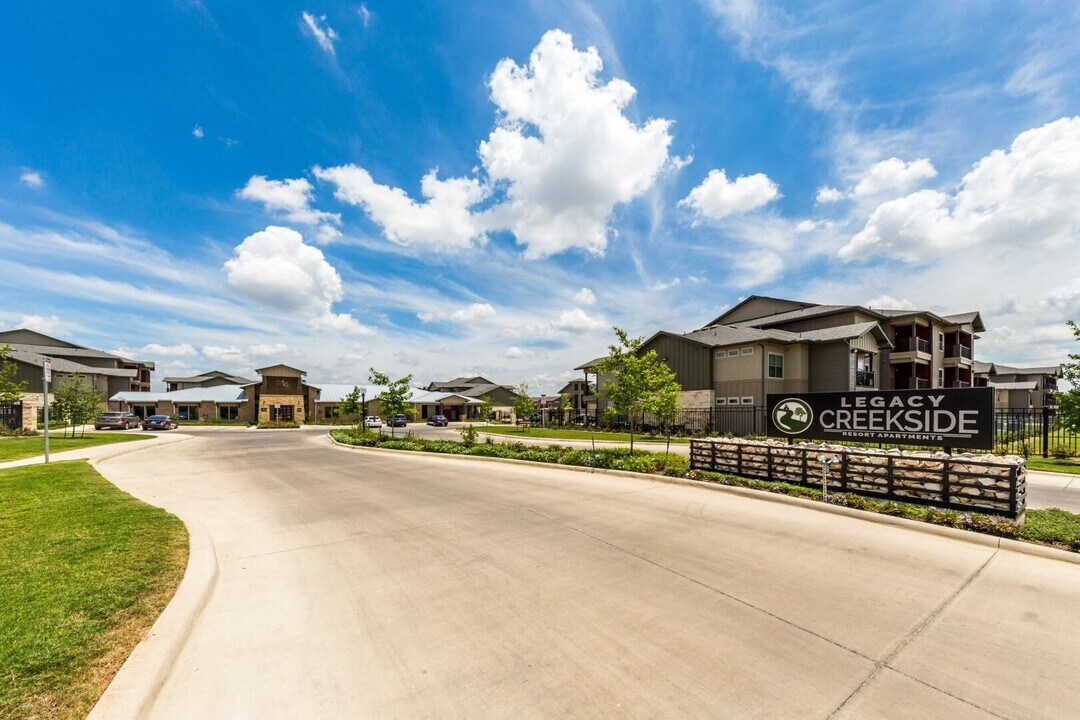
x: 397, y: 421
x: 438, y: 421
x: 159, y: 422
x: 116, y: 421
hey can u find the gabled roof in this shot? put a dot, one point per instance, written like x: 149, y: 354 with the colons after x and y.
x: 1014, y: 385
x: 7, y: 336
x: 261, y: 371
x: 804, y: 313
x: 999, y: 369
x: 591, y: 364
x: 62, y: 365
x: 718, y: 335
x: 846, y: 332
x: 209, y: 375
x: 791, y: 304
x: 217, y: 393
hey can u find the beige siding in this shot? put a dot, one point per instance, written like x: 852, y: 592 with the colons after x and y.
x: 760, y: 307
x: 741, y: 376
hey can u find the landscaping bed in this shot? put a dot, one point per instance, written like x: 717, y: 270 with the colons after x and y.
x: 17, y: 448
x: 1052, y: 526
x: 573, y: 434
x: 85, y: 569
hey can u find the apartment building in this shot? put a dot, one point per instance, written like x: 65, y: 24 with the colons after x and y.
x: 211, y: 378
x: 105, y: 372
x: 477, y: 388
x: 767, y: 345
x: 1017, y: 388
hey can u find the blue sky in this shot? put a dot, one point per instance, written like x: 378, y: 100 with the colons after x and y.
x: 473, y: 187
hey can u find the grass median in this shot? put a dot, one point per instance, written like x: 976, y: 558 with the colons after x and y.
x: 1049, y: 526
x: 565, y: 434
x: 17, y: 448
x: 85, y: 569
x: 1060, y: 465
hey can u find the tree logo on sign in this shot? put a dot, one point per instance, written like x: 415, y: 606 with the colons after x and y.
x: 792, y: 416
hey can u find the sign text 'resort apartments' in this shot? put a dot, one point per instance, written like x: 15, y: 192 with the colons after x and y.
x: 954, y: 417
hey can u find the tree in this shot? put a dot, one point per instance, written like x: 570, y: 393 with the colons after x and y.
x: 564, y: 406
x: 351, y: 405
x: 11, y: 391
x: 641, y: 382
x: 664, y: 403
x: 1068, y: 403
x: 487, y: 407
x: 75, y: 402
x: 397, y: 395
x: 524, y: 406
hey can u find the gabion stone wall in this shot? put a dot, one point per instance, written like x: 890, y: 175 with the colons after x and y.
x: 982, y: 483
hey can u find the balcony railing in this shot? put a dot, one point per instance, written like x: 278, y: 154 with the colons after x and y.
x: 959, y: 351
x: 919, y: 384
x: 864, y: 378
x: 913, y: 345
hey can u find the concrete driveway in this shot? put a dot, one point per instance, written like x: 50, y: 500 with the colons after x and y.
x: 355, y: 585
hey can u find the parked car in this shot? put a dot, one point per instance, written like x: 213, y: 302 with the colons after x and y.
x: 159, y: 422
x: 438, y: 421
x: 373, y: 421
x: 398, y: 421
x: 116, y: 421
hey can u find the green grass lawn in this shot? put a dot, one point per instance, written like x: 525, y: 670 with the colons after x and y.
x: 85, y: 569
x: 560, y: 434
x: 1069, y: 465
x: 17, y: 448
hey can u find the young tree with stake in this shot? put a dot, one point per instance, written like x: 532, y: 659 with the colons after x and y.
x: 396, y: 397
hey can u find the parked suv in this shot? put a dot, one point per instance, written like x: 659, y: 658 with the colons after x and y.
x: 398, y: 421
x: 116, y: 421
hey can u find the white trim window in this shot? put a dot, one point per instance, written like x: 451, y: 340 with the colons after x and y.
x: 720, y: 354
x: 733, y: 352
x: 733, y: 401
x: 721, y: 401
x: 776, y: 366
x: 940, y: 378
x: 941, y: 341
x: 747, y: 400
x: 748, y: 350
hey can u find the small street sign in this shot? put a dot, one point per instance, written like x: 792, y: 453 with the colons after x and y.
x: 48, y: 368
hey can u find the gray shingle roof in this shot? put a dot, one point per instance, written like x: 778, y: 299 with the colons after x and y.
x: 62, y: 365
x: 799, y: 314
x: 218, y: 393
x: 592, y: 363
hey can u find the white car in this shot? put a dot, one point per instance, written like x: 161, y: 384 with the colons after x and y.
x: 373, y: 421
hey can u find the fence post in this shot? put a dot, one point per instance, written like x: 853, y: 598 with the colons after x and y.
x: 843, y: 470
x: 889, y: 477
x: 1046, y: 430
x: 945, y: 490
x: 712, y: 456
x: 738, y: 460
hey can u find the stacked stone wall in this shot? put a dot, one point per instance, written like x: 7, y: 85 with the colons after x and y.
x: 984, y: 483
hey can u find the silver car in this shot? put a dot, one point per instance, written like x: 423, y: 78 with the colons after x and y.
x: 116, y: 421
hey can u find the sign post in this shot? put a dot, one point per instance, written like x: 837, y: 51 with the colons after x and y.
x: 543, y: 410
x: 46, y: 365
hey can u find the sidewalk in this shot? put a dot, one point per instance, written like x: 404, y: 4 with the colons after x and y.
x: 98, y: 452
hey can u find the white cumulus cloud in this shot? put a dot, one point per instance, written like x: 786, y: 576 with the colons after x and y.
x: 1024, y: 194
x: 276, y: 268
x: 470, y: 313
x: 585, y: 296
x: 32, y: 179
x: 827, y: 195
x: 319, y: 29
x: 197, y: 132
x: 893, y: 175
x: 514, y: 352
x: 576, y: 320
x: 562, y: 157
x: 888, y: 302
x: 224, y: 355
x: 292, y: 200
x: 442, y: 222
x: 717, y: 197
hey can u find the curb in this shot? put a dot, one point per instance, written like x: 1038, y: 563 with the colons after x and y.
x: 1026, y: 548
x: 135, y: 687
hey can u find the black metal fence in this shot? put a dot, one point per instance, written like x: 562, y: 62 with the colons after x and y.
x: 1027, y: 432
x: 11, y: 415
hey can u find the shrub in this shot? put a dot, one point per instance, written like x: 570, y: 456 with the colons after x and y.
x: 1061, y: 452
x: 468, y: 435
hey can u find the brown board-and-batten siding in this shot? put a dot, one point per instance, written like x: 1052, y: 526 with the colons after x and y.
x: 691, y: 361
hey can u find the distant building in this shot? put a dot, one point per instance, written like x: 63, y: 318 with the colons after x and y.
x: 205, y: 380
x: 477, y: 388
x: 769, y: 345
x: 1017, y: 388
x: 105, y: 372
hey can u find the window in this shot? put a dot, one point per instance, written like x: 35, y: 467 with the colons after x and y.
x: 228, y: 412
x: 733, y: 401
x: 776, y: 366
x: 941, y: 341
x: 747, y: 400
x: 328, y: 412
x: 733, y: 352
x: 721, y: 401
x: 187, y: 412
x: 748, y: 351
x: 720, y: 354
x: 941, y: 378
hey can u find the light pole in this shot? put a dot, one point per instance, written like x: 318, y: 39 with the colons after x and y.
x: 363, y: 405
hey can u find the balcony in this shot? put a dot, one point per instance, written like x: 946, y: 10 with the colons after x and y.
x: 919, y: 384
x: 961, y: 351
x: 864, y: 378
